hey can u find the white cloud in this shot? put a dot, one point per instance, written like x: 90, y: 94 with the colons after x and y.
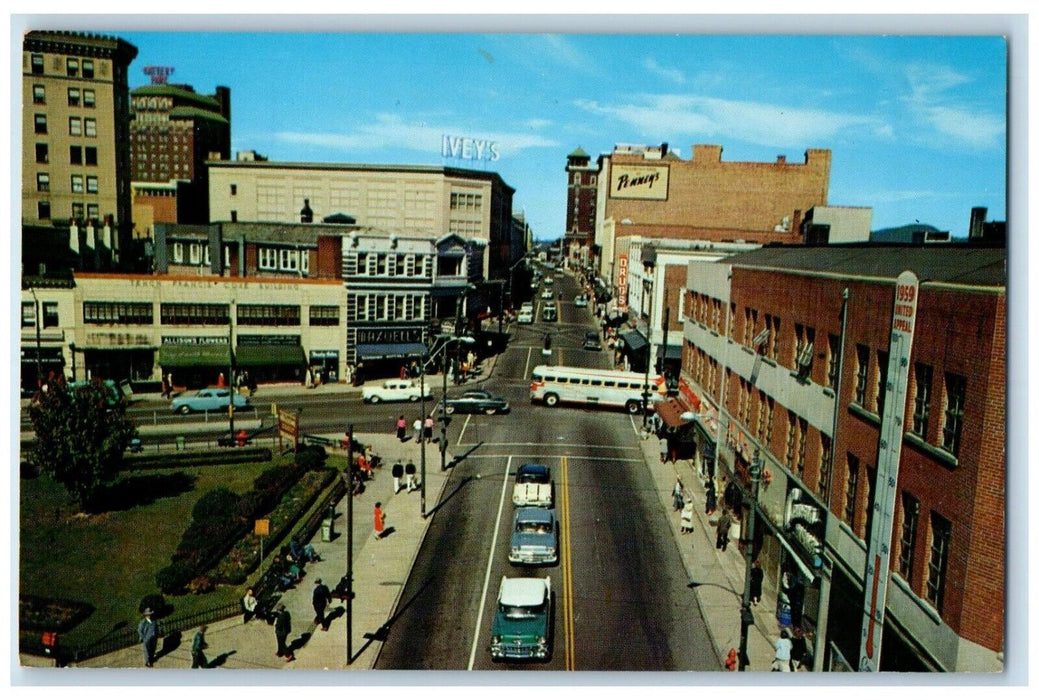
x: 935, y: 99
x: 390, y: 131
x: 657, y: 116
x: 672, y: 74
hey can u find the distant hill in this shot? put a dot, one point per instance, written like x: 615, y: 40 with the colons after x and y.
x: 902, y: 234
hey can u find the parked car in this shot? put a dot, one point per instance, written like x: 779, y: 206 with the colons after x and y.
x: 477, y: 401
x: 208, y: 400
x: 535, y: 538
x: 591, y: 341
x: 394, y: 390
x: 533, y: 486
x: 522, y: 626
x: 580, y: 300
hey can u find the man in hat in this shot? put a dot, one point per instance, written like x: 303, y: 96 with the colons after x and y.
x: 322, y: 597
x: 282, y: 627
x: 148, y: 631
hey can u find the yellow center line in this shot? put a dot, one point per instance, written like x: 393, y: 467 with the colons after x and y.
x: 567, y: 569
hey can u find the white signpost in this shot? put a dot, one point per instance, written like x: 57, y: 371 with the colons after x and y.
x: 903, y: 322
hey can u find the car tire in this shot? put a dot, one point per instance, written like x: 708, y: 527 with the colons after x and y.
x: 551, y: 399
x: 184, y: 410
x: 490, y: 411
x: 633, y: 407
x: 449, y: 410
x: 374, y: 399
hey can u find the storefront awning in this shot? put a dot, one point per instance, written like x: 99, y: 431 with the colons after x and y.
x: 267, y: 355
x: 670, y: 412
x: 633, y: 341
x: 218, y: 355
x: 49, y: 355
x: 616, y: 319
x: 390, y: 351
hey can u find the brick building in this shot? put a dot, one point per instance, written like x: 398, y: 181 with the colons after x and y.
x: 649, y: 191
x: 765, y: 347
x: 173, y: 132
x: 581, y: 193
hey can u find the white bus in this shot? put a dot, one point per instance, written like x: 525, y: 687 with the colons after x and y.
x: 597, y: 387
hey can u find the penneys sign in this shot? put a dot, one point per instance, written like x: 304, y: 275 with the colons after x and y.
x: 638, y: 182
x: 464, y: 148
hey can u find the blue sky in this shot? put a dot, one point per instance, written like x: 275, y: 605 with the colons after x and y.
x: 917, y: 124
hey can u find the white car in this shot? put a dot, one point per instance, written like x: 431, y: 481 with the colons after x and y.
x: 394, y: 390
x: 581, y: 301
x: 525, y: 316
x: 547, y: 294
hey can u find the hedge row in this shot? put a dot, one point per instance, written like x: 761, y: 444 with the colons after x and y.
x: 197, y: 458
x: 221, y: 518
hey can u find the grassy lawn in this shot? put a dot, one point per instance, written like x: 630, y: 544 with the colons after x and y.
x: 109, y: 559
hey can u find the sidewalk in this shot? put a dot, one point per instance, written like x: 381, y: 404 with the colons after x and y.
x: 720, y: 599
x: 381, y: 568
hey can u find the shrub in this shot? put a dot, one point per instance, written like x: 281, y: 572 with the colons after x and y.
x: 155, y: 601
x: 218, y: 504
x: 174, y: 578
x: 200, y: 584
x: 311, y: 457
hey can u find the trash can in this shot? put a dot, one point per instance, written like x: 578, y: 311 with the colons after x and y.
x: 783, y: 615
x: 326, y: 530
x: 180, y: 443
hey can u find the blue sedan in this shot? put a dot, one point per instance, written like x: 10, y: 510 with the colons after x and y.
x: 208, y: 400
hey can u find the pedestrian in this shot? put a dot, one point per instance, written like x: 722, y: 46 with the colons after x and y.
x: 282, y: 628
x: 165, y: 389
x: 409, y: 472
x: 757, y: 577
x: 403, y: 372
x: 198, y: 649
x: 402, y: 428
x: 710, y: 499
x: 416, y: 427
x: 220, y: 381
x: 322, y: 597
x: 724, y: 523
x: 169, y: 384
x: 148, y: 631
x: 663, y: 449
x: 687, y: 517
x: 427, y: 429
x: 677, y: 496
x: 398, y: 474
x: 731, y: 494
x: 248, y: 606
x: 380, y: 520
x: 783, y: 647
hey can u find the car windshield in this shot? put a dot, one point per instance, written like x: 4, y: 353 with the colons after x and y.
x: 532, y: 478
x: 520, y: 612
x: 536, y: 528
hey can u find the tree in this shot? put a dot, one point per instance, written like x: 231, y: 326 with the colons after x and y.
x: 82, y: 432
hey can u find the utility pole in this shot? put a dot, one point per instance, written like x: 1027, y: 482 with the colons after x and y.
x: 231, y: 372
x: 746, y: 616
x: 649, y: 263
x: 422, y: 433
x: 350, y: 547
x: 39, y: 365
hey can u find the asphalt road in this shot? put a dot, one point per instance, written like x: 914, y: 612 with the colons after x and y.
x: 621, y: 601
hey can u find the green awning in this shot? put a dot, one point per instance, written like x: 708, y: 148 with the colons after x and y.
x: 218, y: 355
x: 267, y: 355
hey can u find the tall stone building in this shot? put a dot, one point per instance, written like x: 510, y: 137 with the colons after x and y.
x: 581, y: 189
x: 75, y: 151
x: 174, y: 130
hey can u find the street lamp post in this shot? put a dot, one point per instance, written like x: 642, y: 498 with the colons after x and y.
x: 746, y: 616
x: 649, y: 263
x: 422, y: 434
x: 36, y: 322
x: 231, y: 372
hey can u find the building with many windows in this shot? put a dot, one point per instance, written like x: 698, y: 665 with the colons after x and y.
x: 173, y: 132
x: 581, y: 193
x: 75, y: 151
x: 398, y: 199
x: 786, y: 359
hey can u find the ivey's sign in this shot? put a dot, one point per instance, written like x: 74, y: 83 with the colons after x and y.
x: 466, y: 148
x: 638, y: 182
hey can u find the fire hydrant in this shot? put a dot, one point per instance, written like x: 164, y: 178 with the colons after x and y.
x: 242, y: 437
x: 730, y: 660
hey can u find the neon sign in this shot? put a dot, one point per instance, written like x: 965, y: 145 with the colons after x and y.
x: 158, y: 74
